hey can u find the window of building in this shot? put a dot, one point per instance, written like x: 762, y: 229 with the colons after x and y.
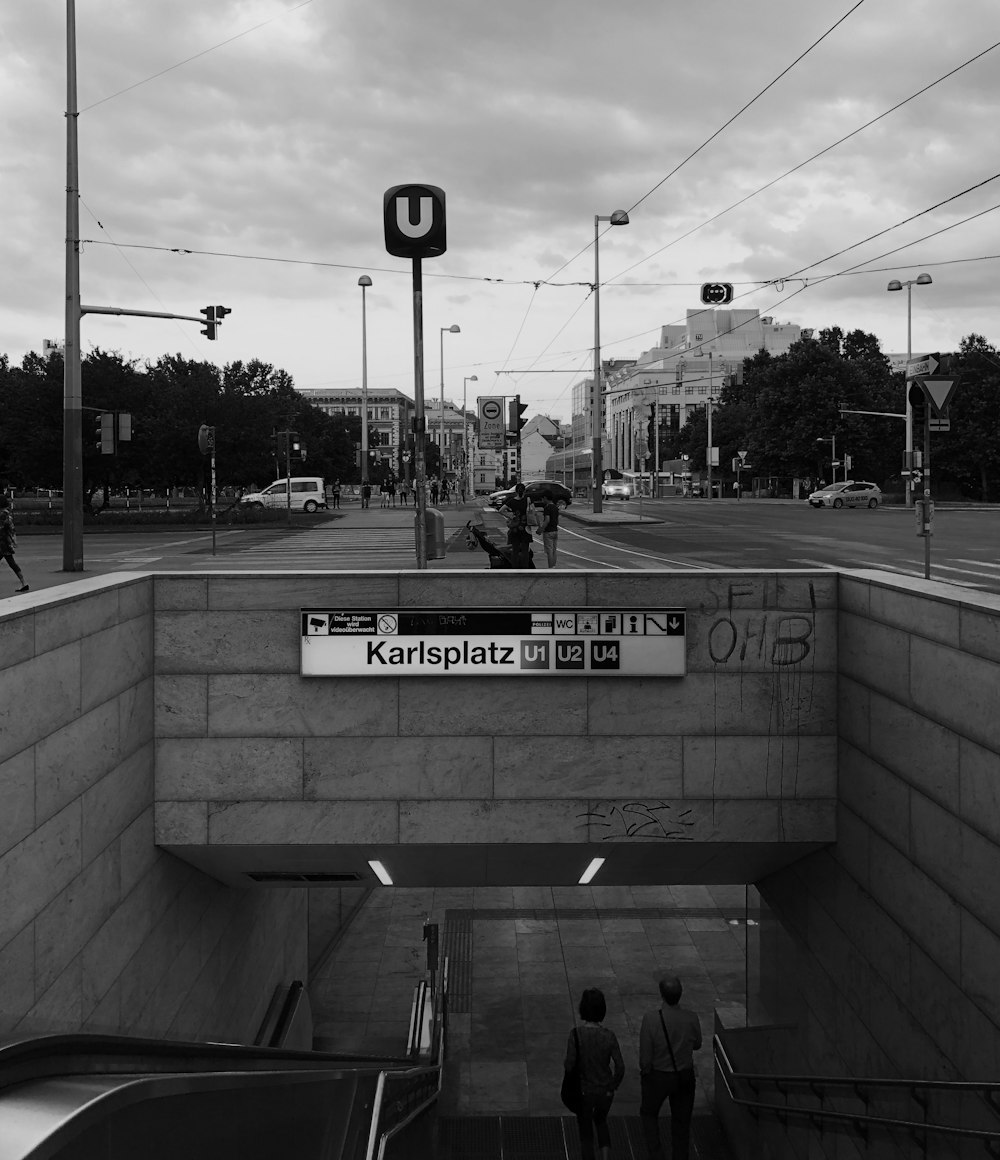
x: 703, y: 390
x: 677, y: 389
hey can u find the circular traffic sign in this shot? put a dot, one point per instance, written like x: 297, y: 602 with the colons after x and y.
x: 492, y: 409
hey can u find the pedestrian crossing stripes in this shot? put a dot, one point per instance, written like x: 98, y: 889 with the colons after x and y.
x: 324, y: 548
x: 978, y: 576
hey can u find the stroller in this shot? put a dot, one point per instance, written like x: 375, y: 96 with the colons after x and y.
x: 501, y: 556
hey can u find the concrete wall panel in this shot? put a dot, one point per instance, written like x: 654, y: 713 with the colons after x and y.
x: 17, y: 792
x: 586, y: 767
x: 285, y: 705
x: 760, y: 767
x: 226, y: 642
x: 398, y: 767
x: 38, y: 697
x: 958, y: 690
x: 181, y: 705
x: 189, y: 769
x: 17, y: 639
x: 87, y: 903
x: 302, y: 823
x: 114, y: 660
x: 77, y: 756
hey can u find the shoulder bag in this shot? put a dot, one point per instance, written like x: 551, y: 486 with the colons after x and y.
x: 571, y: 1093
x: 672, y: 1082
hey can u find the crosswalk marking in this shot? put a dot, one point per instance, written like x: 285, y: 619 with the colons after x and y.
x: 322, y: 547
x: 915, y: 570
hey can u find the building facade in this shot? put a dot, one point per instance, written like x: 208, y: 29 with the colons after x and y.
x: 686, y: 369
x: 390, y: 413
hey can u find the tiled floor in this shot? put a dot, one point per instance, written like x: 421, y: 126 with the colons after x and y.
x: 519, y: 959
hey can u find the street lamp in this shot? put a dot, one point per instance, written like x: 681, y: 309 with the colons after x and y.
x: 444, y: 330
x: 364, y: 282
x: 465, y: 431
x: 832, y: 440
x: 895, y: 284
x: 618, y: 218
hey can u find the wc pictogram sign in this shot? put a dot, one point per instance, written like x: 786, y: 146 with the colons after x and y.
x: 415, y: 221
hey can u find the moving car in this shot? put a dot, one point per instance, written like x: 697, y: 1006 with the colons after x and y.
x: 535, y: 490
x: 849, y: 493
x: 308, y: 495
x: 616, y: 489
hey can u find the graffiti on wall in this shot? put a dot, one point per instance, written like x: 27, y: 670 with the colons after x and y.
x: 652, y: 821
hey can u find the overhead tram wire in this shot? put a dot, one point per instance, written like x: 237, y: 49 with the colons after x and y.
x: 197, y: 55
x: 740, y: 112
x: 807, y: 161
x: 718, y: 131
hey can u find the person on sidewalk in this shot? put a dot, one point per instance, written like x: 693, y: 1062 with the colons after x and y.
x: 515, y: 511
x: 601, y: 1070
x: 550, y: 530
x: 668, y: 1038
x: 366, y: 494
x: 336, y: 493
x: 8, y: 541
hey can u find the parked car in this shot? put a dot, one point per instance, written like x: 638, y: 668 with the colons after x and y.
x: 308, y: 495
x: 849, y: 493
x: 616, y: 489
x: 535, y: 490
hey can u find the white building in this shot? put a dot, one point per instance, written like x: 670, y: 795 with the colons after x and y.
x: 684, y: 371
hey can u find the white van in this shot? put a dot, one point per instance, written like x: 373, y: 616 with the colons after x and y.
x: 308, y: 495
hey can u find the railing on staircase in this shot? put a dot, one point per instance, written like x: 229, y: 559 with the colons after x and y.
x: 402, y: 1097
x: 856, y: 1106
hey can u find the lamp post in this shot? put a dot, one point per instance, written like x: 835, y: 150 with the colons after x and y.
x: 832, y: 440
x: 618, y: 218
x: 465, y: 432
x: 708, y: 412
x: 444, y: 330
x: 895, y: 284
x: 364, y: 282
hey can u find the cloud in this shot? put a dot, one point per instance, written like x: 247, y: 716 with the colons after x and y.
x: 533, y: 117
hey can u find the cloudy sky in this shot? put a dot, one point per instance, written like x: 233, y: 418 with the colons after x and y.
x: 262, y: 134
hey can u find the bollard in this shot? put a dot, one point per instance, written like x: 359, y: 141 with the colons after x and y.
x: 434, y: 528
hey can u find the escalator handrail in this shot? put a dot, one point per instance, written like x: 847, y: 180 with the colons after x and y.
x: 378, y: 1141
x: 46, y: 1056
x: 854, y: 1118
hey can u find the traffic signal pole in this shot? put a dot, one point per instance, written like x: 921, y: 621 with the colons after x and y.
x: 72, y: 374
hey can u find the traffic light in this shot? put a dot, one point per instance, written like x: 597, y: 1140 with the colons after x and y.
x: 717, y: 293
x: 651, y: 425
x: 105, y: 432
x: 123, y: 424
x: 517, y: 419
x: 281, y: 445
x: 208, y: 330
x: 918, y: 403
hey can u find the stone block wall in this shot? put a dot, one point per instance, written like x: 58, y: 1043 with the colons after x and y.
x: 887, y: 953
x: 100, y: 930
x: 250, y: 754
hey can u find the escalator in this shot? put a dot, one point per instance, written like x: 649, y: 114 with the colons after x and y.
x: 95, y: 1097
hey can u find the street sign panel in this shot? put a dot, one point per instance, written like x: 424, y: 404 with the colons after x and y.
x: 493, y: 642
x: 492, y: 425
x: 925, y: 365
x: 939, y: 391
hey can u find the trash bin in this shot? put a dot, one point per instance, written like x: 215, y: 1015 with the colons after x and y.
x: 434, y: 528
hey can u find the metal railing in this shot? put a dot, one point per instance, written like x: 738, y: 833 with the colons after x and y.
x: 858, y: 1123
x: 402, y: 1096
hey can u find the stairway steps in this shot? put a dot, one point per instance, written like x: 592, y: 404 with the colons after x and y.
x: 555, y: 1138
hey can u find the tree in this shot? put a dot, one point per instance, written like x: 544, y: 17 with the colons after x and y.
x: 969, y: 455
x: 789, y: 404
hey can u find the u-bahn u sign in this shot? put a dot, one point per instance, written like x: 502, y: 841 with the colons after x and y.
x: 627, y: 642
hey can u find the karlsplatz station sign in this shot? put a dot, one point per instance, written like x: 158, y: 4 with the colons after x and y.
x: 519, y: 642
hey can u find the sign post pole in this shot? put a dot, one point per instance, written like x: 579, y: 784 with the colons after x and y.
x: 419, y: 420
x: 415, y: 227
